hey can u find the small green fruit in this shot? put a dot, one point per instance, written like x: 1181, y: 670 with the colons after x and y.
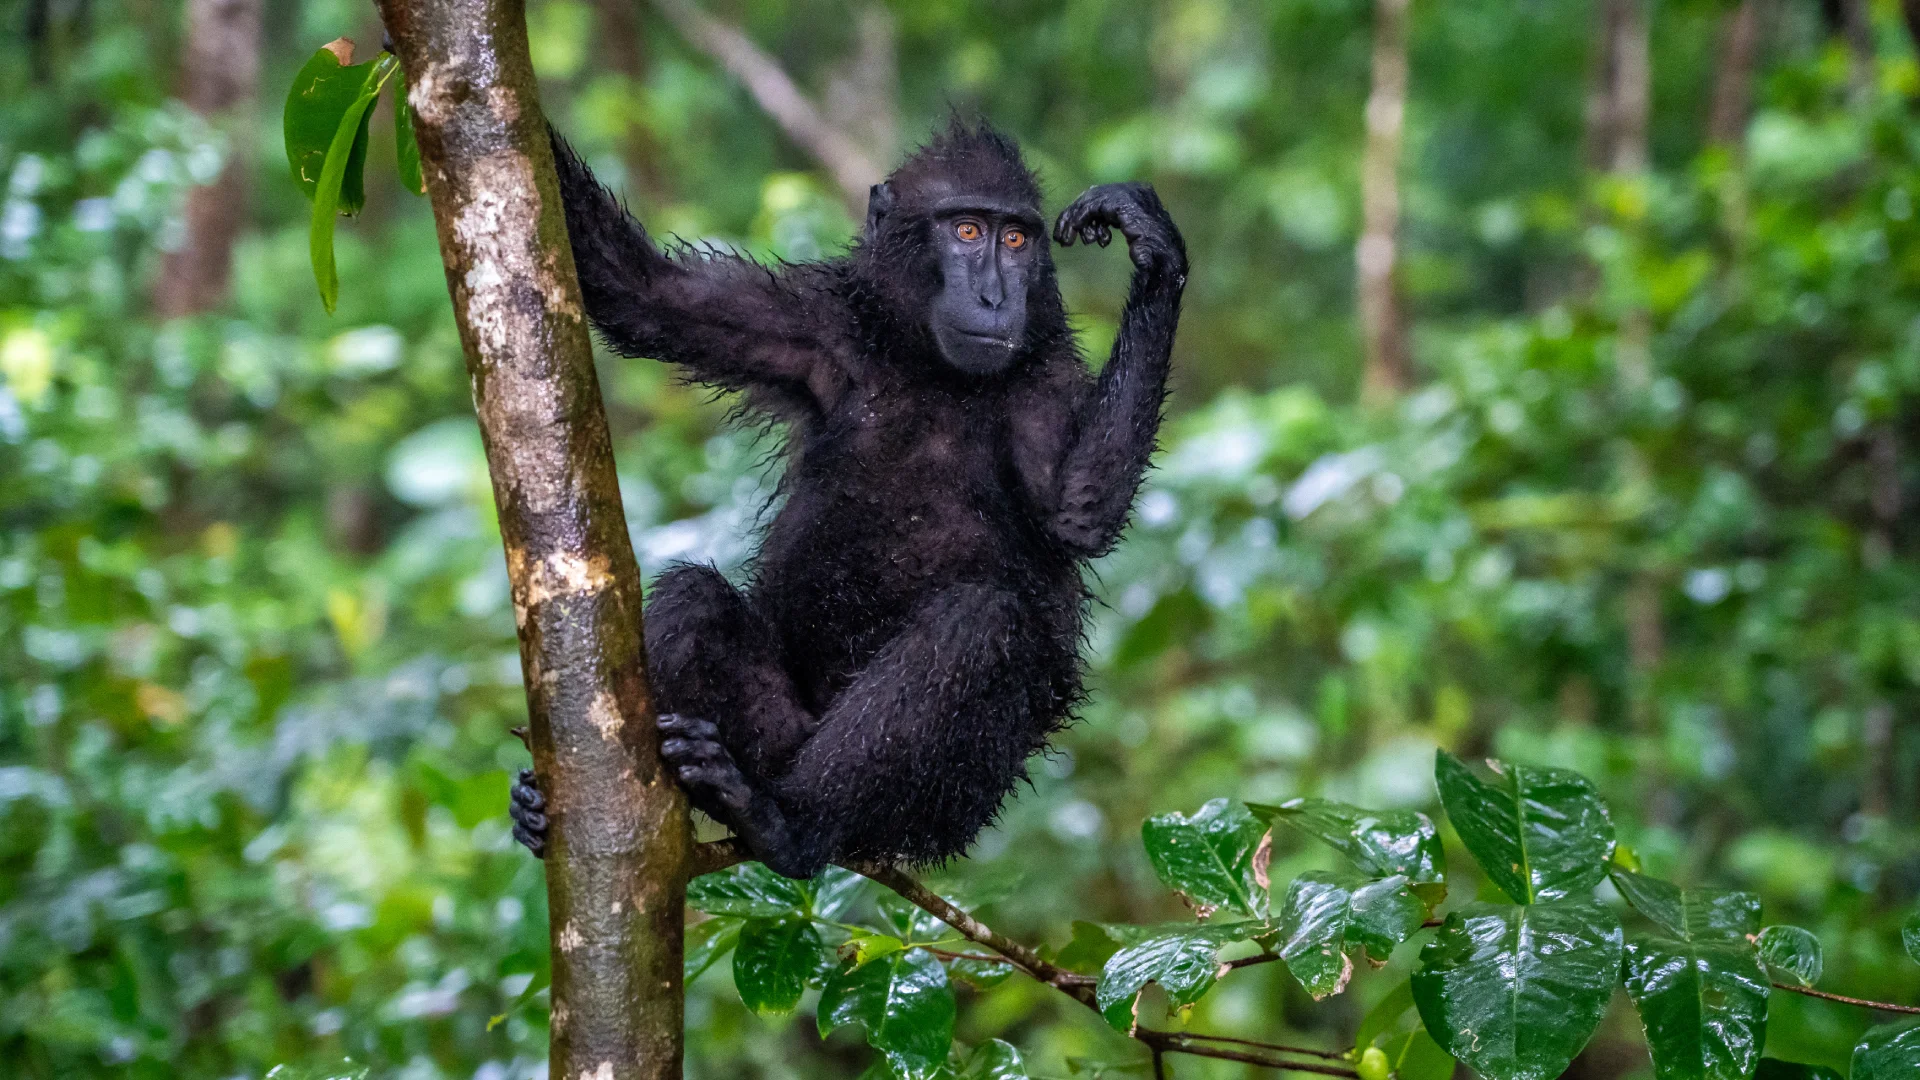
x: 1373, y: 1064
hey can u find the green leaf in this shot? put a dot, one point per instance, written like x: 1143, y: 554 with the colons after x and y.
x: 1910, y: 936
x: 1888, y: 1052
x: 906, y: 1005
x: 1090, y: 948
x: 1313, y: 933
x: 707, y: 941
x: 404, y: 145
x: 772, y: 963
x: 750, y: 891
x: 833, y: 892
x: 994, y: 1060
x: 1691, y: 914
x: 868, y: 945
x: 1379, y: 844
x: 540, y: 981
x: 980, y: 974
x: 1703, y: 1003
x: 910, y: 921
x: 1385, y: 913
x: 1515, y: 991
x: 1792, y: 954
x: 1540, y: 834
x: 322, y: 92
x: 1385, y: 1017
x: 1413, y: 1055
x: 1209, y: 857
x: 1183, y: 961
x: 1775, y: 1069
x: 339, y: 189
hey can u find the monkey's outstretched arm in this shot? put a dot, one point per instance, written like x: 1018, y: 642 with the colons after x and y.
x: 1116, y: 424
x: 728, y: 321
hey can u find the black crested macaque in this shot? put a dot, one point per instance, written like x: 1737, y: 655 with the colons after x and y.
x: 910, y: 631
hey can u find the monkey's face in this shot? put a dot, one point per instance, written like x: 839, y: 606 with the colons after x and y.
x: 988, y: 253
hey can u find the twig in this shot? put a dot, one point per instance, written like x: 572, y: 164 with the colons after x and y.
x: 1163, y: 1042
x: 1075, y: 985
x: 716, y: 855
x: 779, y: 97
x: 1309, y: 1051
x: 1863, y: 1003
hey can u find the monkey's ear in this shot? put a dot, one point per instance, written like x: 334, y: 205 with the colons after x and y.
x: 879, y: 204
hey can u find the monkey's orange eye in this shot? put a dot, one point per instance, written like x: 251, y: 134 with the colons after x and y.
x: 967, y: 231
x: 1015, y: 239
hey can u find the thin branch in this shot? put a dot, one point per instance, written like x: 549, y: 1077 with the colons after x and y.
x: 1863, y: 1003
x: 1077, y: 986
x: 1329, y: 1055
x: 775, y: 91
x: 1174, y: 1042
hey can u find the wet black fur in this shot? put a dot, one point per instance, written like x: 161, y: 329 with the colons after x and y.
x: 910, y: 632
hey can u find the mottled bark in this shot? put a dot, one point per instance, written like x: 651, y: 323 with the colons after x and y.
x: 617, y: 852
x: 1388, y: 369
x: 220, y: 76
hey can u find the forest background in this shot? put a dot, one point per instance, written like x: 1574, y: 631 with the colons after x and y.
x: 1549, y: 387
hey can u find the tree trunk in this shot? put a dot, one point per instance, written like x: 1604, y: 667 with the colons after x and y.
x: 1619, y: 91
x: 1383, y: 335
x: 221, y: 75
x: 617, y: 853
x: 1733, y: 80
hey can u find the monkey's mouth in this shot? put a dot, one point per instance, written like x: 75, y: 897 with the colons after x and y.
x: 987, y: 339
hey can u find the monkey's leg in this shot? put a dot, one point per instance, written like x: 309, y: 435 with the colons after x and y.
x: 713, y: 662
x: 914, y: 758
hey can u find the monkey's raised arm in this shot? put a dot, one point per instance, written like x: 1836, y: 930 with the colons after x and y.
x: 728, y: 321
x: 1116, y: 423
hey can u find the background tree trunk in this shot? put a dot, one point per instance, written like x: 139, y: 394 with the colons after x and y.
x: 617, y: 854
x: 220, y: 76
x: 1383, y: 335
x: 1733, y: 78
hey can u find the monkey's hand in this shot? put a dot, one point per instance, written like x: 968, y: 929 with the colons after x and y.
x: 527, y: 807
x: 1152, y: 238
x: 715, y: 785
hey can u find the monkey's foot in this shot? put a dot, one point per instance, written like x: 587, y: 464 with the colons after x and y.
x: 705, y: 768
x: 714, y: 782
x: 527, y: 807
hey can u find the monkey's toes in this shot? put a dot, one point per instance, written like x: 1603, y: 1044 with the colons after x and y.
x: 688, y: 727
x: 526, y: 806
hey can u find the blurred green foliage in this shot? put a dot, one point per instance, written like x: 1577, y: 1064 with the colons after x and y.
x: 256, y: 660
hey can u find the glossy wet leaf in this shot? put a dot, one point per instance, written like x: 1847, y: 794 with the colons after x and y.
x: 707, y: 941
x: 1775, y: 1069
x: 322, y: 92
x: 406, y: 149
x: 994, y: 1060
x: 1691, y: 914
x: 339, y: 188
x: 1313, y: 933
x: 1888, y: 1052
x: 1323, y: 915
x: 1540, y: 834
x: 1515, y: 991
x: 833, y: 892
x: 1702, y: 1002
x: 1378, y: 843
x: 1183, y: 960
x: 1209, y: 857
x: 748, y: 890
x: 343, y: 1069
x: 773, y: 961
x: 1792, y: 954
x: 1910, y: 936
x: 911, y: 922
x: 905, y: 1004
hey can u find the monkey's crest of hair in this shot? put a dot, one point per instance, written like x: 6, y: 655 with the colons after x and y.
x: 965, y: 157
